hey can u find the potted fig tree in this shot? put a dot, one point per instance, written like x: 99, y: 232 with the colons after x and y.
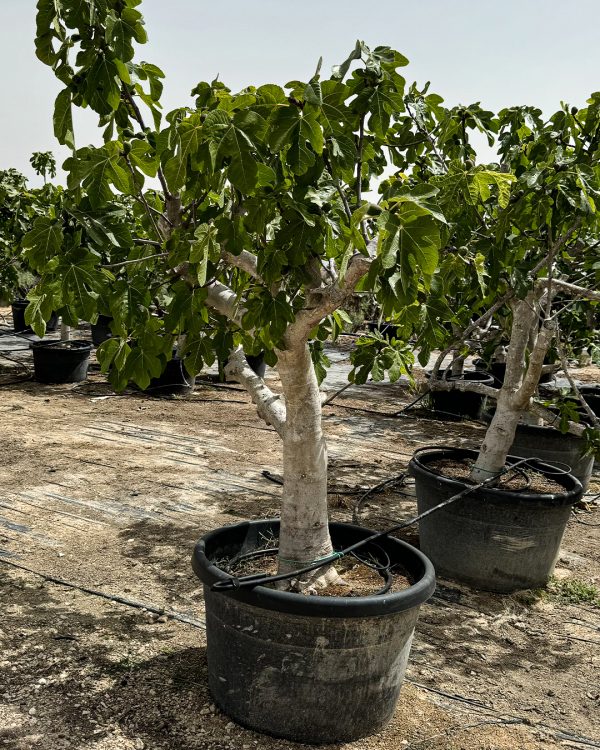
x: 259, y: 234
x: 535, y: 234
x: 20, y: 206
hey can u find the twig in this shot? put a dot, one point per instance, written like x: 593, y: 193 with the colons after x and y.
x: 565, y: 366
x: 140, y: 241
x: 136, y: 260
x: 138, y: 116
x: 143, y: 200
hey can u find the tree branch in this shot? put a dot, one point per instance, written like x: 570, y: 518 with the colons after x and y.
x: 574, y: 289
x: 565, y: 366
x: 469, y: 330
x: 225, y: 301
x: 138, y: 116
x: 136, y: 260
x: 486, y: 390
x: 536, y: 361
x: 245, y: 261
x: 269, y: 405
x: 323, y: 301
x: 464, y: 386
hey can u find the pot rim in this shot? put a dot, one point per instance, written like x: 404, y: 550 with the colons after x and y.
x: 322, y: 606
x: 61, y: 346
x: 481, y: 376
x: 418, y: 465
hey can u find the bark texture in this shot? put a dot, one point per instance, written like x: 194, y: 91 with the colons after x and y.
x: 524, y: 360
x: 304, y: 534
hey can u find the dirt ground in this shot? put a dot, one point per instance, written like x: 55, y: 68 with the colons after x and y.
x: 108, y: 494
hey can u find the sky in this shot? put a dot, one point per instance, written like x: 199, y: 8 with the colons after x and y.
x: 497, y: 52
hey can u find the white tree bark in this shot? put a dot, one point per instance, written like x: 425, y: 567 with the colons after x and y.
x: 304, y: 531
x: 304, y: 534
x: 269, y: 405
x: 519, y: 385
x: 65, y: 331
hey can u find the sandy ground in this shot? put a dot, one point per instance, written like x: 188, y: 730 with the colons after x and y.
x: 110, y: 493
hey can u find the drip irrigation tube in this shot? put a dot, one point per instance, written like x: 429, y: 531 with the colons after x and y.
x: 260, y: 579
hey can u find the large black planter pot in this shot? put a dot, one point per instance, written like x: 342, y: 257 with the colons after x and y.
x: 547, y: 443
x: 498, y: 371
x: 387, y: 330
x: 101, y: 329
x: 18, y: 312
x: 312, y: 669
x: 492, y: 539
x: 457, y: 403
x: 257, y: 363
x: 174, y: 380
x: 60, y: 361
x: 591, y: 394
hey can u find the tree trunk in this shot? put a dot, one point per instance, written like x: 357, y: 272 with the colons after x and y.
x: 304, y: 535
x: 458, y: 365
x: 519, y: 385
x: 498, y: 439
x: 65, y: 332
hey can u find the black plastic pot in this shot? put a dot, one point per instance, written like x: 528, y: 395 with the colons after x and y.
x: 257, y: 363
x: 457, y: 403
x: 492, y: 539
x: 174, y: 380
x: 547, y: 443
x: 312, y: 669
x: 101, y: 329
x: 591, y: 394
x: 18, y: 312
x: 60, y: 361
x: 498, y: 371
x: 388, y: 330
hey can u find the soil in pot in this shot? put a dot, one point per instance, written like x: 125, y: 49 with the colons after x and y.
x: 101, y: 329
x: 174, y: 380
x: 495, y: 539
x: 18, y: 312
x: 551, y: 445
x: 312, y: 669
x: 61, y: 361
x: 456, y: 403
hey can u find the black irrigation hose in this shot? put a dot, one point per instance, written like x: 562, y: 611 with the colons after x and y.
x: 373, y: 490
x: 384, y: 570
x: 259, y: 579
x: 110, y: 597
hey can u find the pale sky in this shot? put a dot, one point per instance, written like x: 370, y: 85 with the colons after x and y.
x: 499, y: 52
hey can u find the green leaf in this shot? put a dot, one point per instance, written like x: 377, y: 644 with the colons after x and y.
x: 37, y: 312
x: 340, y: 71
x: 291, y: 128
x: 119, y: 35
x: 189, y: 141
x: 78, y: 283
x: 243, y: 170
x: 103, y: 86
x: 63, y: 119
x: 482, y: 181
x: 141, y: 366
x: 42, y: 242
